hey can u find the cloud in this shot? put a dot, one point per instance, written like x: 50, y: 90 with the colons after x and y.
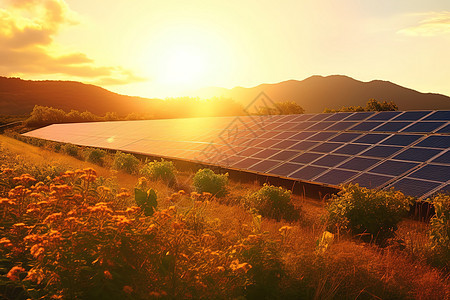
x: 27, y: 30
x: 431, y: 24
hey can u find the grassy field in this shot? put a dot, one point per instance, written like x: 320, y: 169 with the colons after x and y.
x: 222, y: 250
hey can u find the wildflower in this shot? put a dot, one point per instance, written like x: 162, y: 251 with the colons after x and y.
x: 243, y: 267
x: 107, y: 274
x: 19, y: 225
x: 79, y: 172
x: 37, y: 250
x: 127, y: 289
x: 13, y: 274
x: 181, y: 192
x: 53, y: 217
x: 7, y: 171
x: 4, y: 242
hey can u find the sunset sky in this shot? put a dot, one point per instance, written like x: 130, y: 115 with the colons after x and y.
x: 168, y: 48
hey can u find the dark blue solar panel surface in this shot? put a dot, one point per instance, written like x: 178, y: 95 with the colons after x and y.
x: 393, y: 167
x: 411, y: 115
x: 401, y: 139
x: 336, y: 176
x: 417, y: 154
x: 424, y: 127
x: 381, y: 151
x: 392, y: 126
x: 443, y: 158
x: 443, y: 115
x: 345, y: 137
x: 359, y: 163
x: 286, y: 169
x: 371, y: 138
x: 330, y: 160
x: 366, y: 126
x: 351, y: 149
x: 442, y: 141
x: 372, y: 180
x: 407, y: 150
x: 308, y: 172
x: 385, y: 115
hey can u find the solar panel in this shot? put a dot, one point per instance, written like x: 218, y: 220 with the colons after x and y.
x: 335, y: 176
x: 443, y: 115
x: 443, y: 158
x: 411, y: 115
x: 435, y: 142
x: 330, y: 160
x: 308, y: 172
x: 372, y: 180
x: 393, y: 167
x: 381, y: 151
x: 366, y: 126
x: 286, y: 169
x: 306, y: 157
x: 414, y: 187
x: 359, y: 163
x: 417, y: 154
x: 401, y: 139
x: 345, y: 137
x: 385, y: 115
x: 424, y: 127
x: 406, y: 150
x: 371, y: 138
x: 392, y: 126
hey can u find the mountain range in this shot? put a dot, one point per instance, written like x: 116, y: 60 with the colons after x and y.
x: 314, y: 94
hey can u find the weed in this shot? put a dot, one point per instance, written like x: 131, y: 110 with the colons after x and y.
x: 205, y: 180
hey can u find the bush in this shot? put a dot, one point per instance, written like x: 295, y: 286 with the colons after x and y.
x: 164, y: 170
x: 440, y: 229
x: 96, y: 156
x: 365, y: 211
x: 70, y: 149
x: 274, y: 202
x: 205, y: 180
x: 125, y: 162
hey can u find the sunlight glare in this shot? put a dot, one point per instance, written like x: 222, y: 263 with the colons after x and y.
x: 184, y: 65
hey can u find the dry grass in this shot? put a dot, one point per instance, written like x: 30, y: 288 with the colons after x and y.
x: 348, y: 269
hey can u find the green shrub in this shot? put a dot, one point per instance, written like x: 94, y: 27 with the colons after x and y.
x: 205, y: 180
x: 440, y: 229
x: 164, y: 170
x: 125, y: 162
x: 273, y: 202
x: 372, y: 213
x: 96, y: 156
x: 146, y: 200
x: 70, y: 149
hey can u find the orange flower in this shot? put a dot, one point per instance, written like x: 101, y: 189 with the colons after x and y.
x: 107, y: 274
x: 127, y: 289
x: 13, y: 274
x: 4, y: 242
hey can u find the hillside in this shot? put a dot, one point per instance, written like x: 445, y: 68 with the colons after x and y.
x: 316, y: 93
x: 19, y: 96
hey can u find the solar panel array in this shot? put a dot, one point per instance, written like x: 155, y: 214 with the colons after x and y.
x: 406, y: 150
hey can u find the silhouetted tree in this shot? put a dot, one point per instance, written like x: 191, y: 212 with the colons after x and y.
x: 371, y: 105
x: 282, y: 108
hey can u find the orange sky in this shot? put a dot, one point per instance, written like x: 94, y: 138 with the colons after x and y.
x: 168, y: 48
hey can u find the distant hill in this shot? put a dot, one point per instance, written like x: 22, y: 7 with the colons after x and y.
x: 316, y: 93
x: 19, y: 96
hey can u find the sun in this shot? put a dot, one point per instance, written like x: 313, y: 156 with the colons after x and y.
x: 184, y: 65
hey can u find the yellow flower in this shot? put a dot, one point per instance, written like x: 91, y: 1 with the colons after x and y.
x: 13, y: 274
